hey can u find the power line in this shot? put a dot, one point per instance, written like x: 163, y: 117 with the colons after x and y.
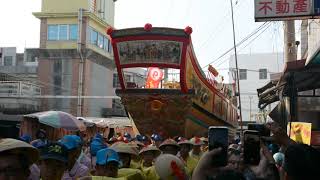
x: 214, y: 34
x: 249, y: 42
x: 238, y: 44
x: 255, y: 37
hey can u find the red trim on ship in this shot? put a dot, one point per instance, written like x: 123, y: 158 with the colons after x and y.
x: 183, y: 63
x: 175, y: 66
x: 213, y: 89
x: 150, y: 37
x: 116, y: 58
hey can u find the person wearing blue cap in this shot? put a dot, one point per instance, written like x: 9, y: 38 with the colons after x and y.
x: 41, y: 140
x: 157, y: 140
x: 26, y: 138
x: 108, y: 163
x: 75, y: 170
x: 53, y: 161
x: 96, y: 145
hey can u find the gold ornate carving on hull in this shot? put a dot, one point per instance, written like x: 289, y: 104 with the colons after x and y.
x: 158, y: 112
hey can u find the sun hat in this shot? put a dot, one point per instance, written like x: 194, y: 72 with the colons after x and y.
x: 204, y: 139
x: 168, y: 142
x: 196, y: 141
x: 14, y: 146
x: 55, y: 151
x: 185, y: 141
x: 152, y: 148
x: 126, y: 148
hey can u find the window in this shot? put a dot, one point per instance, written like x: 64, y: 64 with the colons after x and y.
x: 100, y: 41
x: 63, y: 32
x: 116, y: 81
x: 93, y: 37
x: 242, y: 74
x: 263, y: 74
x: 53, y: 31
x: 73, y: 32
x: 105, y: 44
x: 7, y: 61
x: 109, y: 47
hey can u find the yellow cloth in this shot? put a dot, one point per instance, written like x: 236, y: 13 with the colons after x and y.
x: 106, y: 178
x: 190, y: 165
x: 197, y: 157
x: 135, y: 164
x: 131, y: 174
x: 150, y: 173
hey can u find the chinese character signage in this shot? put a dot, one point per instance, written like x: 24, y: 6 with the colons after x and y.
x: 266, y: 10
x: 300, y: 132
x: 150, y: 51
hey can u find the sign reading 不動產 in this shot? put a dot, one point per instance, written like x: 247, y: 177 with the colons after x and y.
x: 277, y: 10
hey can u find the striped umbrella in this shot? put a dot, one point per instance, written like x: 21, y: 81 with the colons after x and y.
x: 59, y: 119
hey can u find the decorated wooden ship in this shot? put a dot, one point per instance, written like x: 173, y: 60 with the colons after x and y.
x: 174, y: 97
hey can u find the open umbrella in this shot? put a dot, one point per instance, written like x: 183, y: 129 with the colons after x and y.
x: 59, y: 119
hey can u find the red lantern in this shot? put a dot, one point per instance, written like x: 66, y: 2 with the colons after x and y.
x: 188, y: 30
x: 109, y: 31
x: 148, y: 27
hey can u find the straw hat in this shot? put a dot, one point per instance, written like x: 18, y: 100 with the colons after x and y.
x: 137, y: 144
x: 14, y: 146
x: 185, y: 141
x: 204, y: 139
x: 169, y: 166
x: 150, y: 148
x: 169, y: 142
x: 121, y: 147
x: 196, y: 141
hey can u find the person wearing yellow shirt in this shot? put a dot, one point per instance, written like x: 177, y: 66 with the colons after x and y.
x: 196, y: 152
x: 107, y: 166
x: 149, y: 154
x: 169, y: 146
x: 126, y: 151
x: 189, y: 162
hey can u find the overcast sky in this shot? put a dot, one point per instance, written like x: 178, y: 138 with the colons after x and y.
x: 210, y: 20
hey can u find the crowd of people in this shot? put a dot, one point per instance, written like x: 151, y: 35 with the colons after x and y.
x: 151, y: 158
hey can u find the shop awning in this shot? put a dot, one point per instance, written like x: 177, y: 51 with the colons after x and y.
x: 303, y: 77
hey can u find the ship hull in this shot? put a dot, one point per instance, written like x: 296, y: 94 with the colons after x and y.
x: 174, y: 114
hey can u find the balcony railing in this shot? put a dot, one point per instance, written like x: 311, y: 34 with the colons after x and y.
x: 19, y: 88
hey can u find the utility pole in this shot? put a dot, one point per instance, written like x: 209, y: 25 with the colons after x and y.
x: 250, y: 98
x: 237, y: 68
x: 290, y: 55
x: 290, y: 52
x: 81, y: 63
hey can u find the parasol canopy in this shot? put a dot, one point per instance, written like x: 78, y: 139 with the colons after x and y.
x: 59, y: 119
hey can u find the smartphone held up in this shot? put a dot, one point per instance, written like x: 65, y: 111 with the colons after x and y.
x: 218, y: 138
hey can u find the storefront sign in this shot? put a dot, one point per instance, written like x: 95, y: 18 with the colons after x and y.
x: 277, y: 10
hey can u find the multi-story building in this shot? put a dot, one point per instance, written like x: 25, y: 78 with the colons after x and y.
x: 254, y: 72
x: 18, y: 81
x: 75, y: 55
